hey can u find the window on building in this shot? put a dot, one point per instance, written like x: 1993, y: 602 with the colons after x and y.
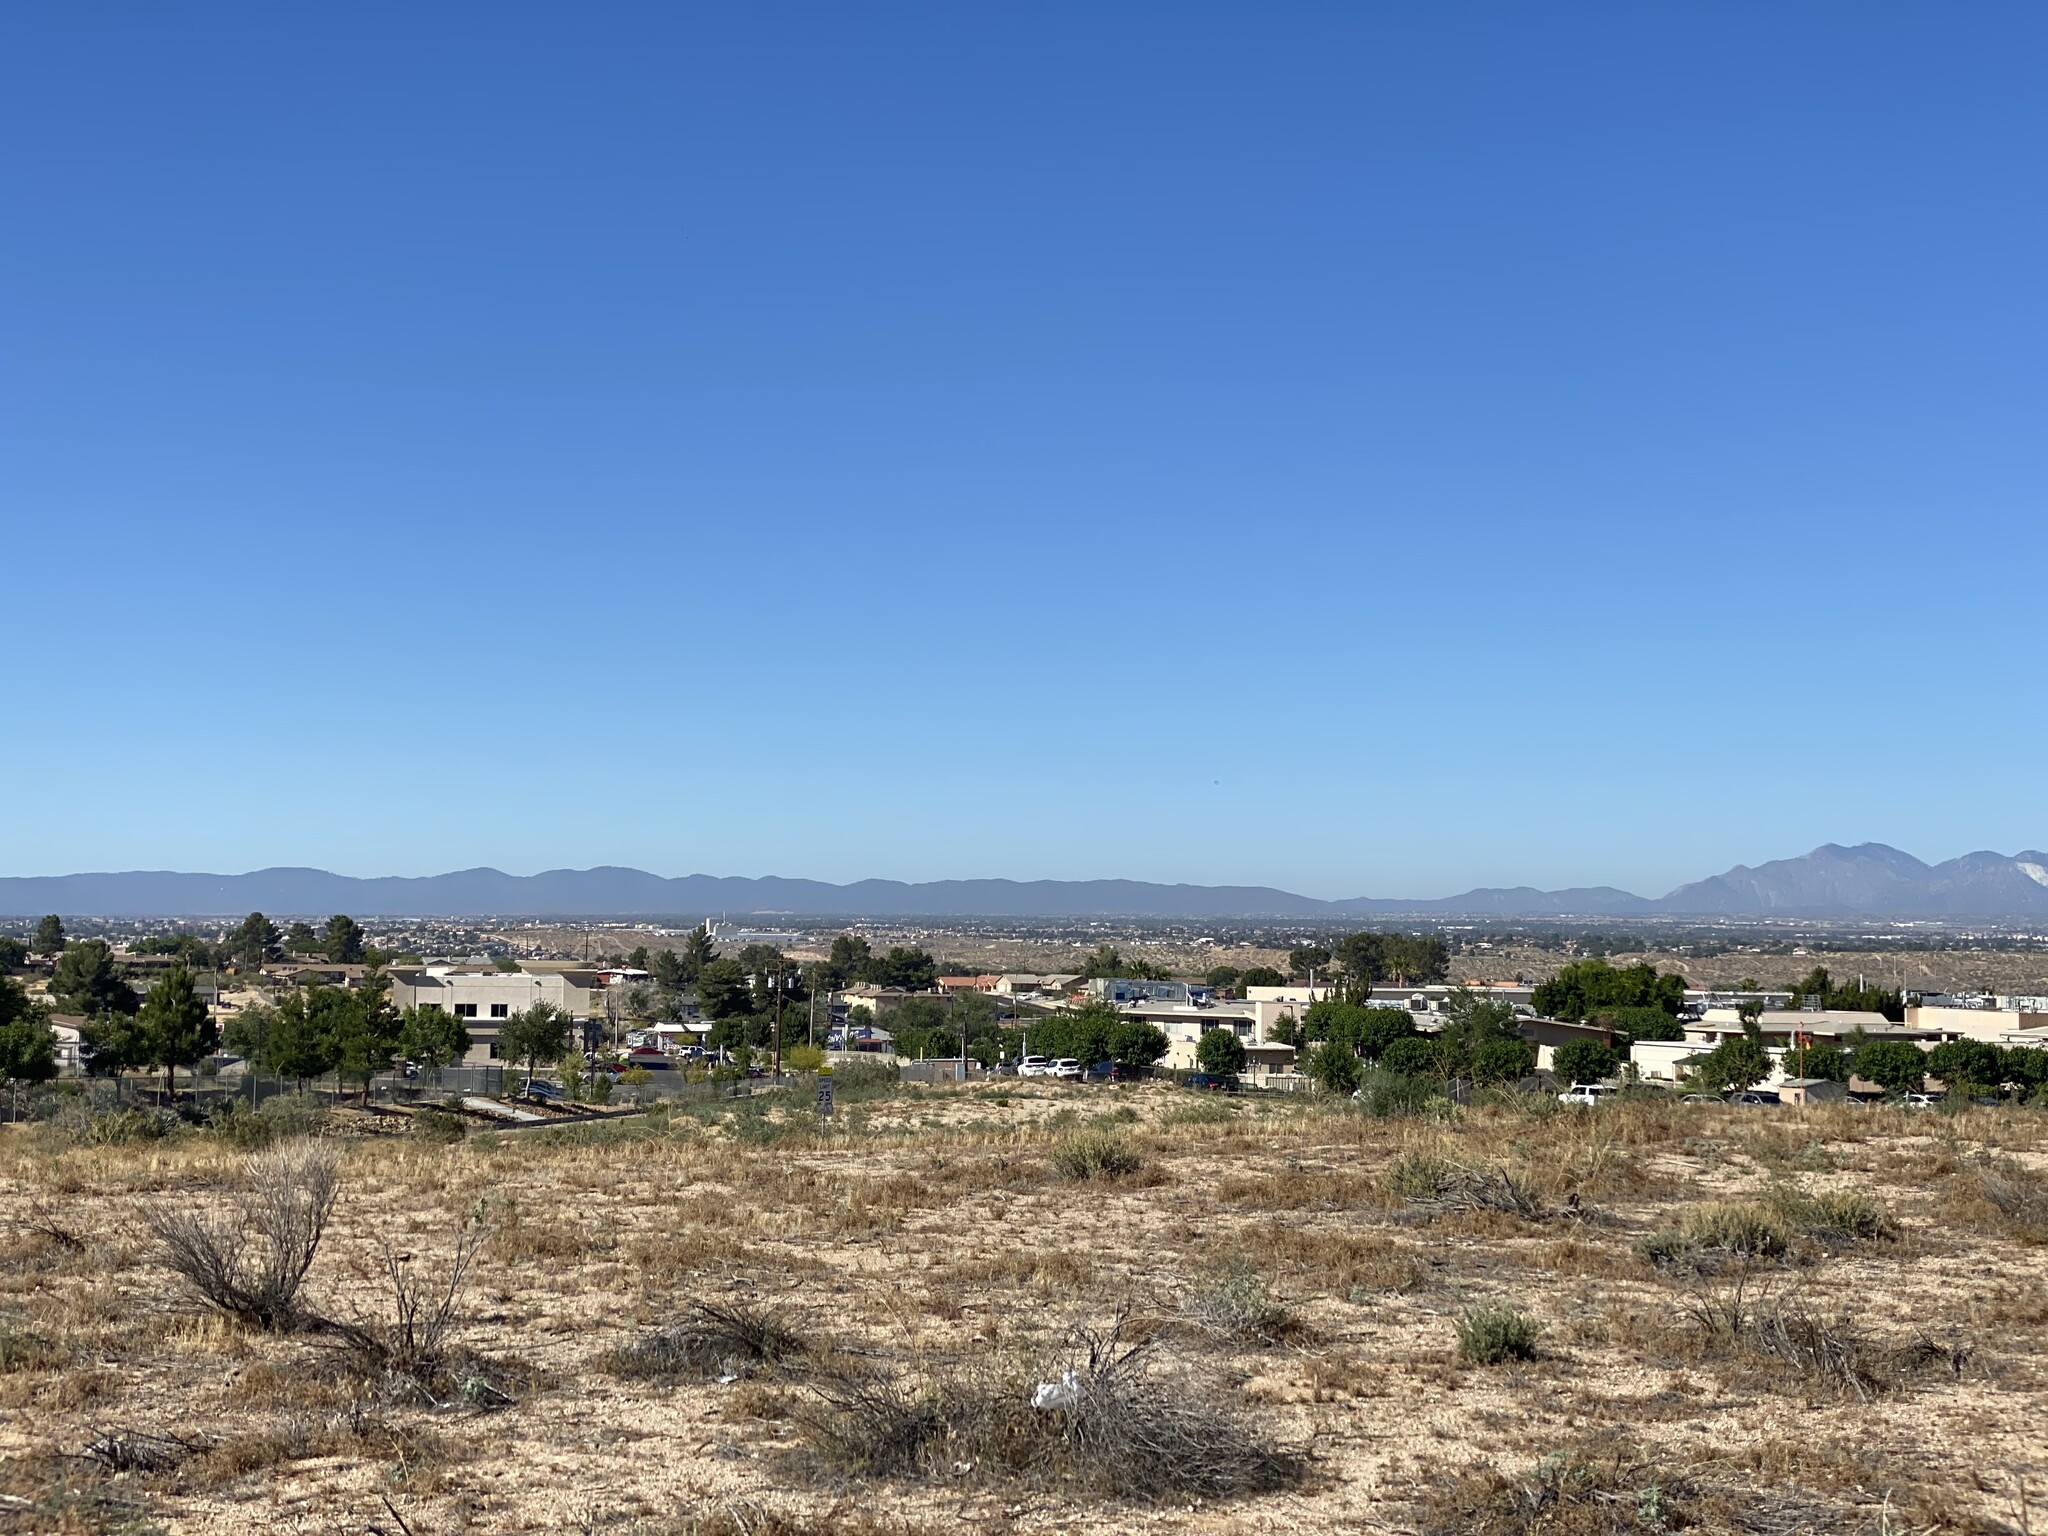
x: 465, y: 1010
x: 501, y: 1010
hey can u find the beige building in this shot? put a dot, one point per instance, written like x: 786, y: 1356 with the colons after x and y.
x: 484, y: 1000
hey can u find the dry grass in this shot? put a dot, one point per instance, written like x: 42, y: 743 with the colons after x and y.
x: 1295, y: 1274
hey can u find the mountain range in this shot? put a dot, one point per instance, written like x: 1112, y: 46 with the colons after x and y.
x: 1870, y: 880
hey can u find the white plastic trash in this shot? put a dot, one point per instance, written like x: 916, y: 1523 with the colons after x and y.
x: 1063, y: 1393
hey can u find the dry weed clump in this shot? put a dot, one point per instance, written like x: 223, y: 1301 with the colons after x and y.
x: 1234, y: 1302
x: 1095, y: 1154
x: 251, y: 1261
x: 411, y: 1349
x: 1614, y: 1490
x: 1432, y: 1186
x: 1102, y: 1419
x: 2012, y: 1199
x: 1801, y: 1349
x: 712, y: 1341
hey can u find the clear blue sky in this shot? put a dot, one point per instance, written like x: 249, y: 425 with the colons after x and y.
x: 1363, y: 449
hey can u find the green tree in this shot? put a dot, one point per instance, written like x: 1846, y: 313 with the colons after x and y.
x: 176, y: 1025
x: 1585, y: 987
x: 27, y: 1052
x: 1333, y: 1067
x: 1222, y: 978
x: 118, y: 1043
x: 1414, y: 960
x: 1307, y: 958
x: 1481, y: 1039
x: 1896, y: 1066
x: 302, y: 940
x: 257, y: 940
x: 364, y: 1035
x: 1583, y: 1061
x: 669, y: 974
x: 1816, y: 1058
x: 698, y: 951
x: 50, y: 935
x: 13, y: 953
x: 847, y: 962
x: 723, y: 991
x: 298, y: 1039
x: 638, y: 959
x: 1221, y: 1052
x: 1415, y: 1056
x: 1363, y: 956
x: 1261, y: 976
x: 1629, y: 1024
x: 1736, y: 1063
x: 1966, y: 1065
x: 432, y: 1039
x: 533, y: 1035
x: 88, y: 982
x: 343, y: 942
x: 906, y: 969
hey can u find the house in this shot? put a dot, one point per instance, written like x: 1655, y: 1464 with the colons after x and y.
x: 1781, y: 1026
x: 953, y: 985
x: 878, y: 1000
x: 484, y: 1000
x: 67, y: 1037
x: 315, y: 973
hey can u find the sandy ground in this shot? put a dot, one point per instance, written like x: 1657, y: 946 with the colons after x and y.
x: 931, y: 1228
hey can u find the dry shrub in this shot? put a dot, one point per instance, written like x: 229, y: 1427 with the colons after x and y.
x: 2014, y: 1200
x: 251, y: 1262
x: 1348, y: 1264
x: 142, y: 1450
x: 1802, y: 1349
x: 1095, y: 1154
x: 1233, y: 1302
x: 1433, y: 1187
x: 1612, y: 1490
x: 410, y: 1348
x: 711, y: 1341
x: 1103, y: 1420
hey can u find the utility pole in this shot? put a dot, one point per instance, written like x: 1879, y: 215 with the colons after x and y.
x: 778, y: 1018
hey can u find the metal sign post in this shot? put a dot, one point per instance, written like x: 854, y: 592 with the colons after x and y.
x: 825, y: 1092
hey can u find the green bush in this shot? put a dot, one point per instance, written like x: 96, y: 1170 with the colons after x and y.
x: 1095, y: 1155
x: 1495, y: 1331
x: 1410, y: 1057
x: 439, y: 1126
x: 1221, y: 1052
x: 285, y: 1117
x: 1384, y: 1095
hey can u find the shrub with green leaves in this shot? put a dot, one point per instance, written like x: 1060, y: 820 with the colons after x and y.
x: 1496, y: 1331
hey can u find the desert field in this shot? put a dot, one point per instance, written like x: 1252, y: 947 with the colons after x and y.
x: 1038, y: 1308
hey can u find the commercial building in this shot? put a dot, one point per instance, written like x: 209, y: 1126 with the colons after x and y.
x: 484, y: 1000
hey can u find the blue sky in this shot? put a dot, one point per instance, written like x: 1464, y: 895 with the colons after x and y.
x: 1367, y: 450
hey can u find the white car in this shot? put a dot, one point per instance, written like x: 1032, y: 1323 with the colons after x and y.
x: 1918, y: 1101
x: 1584, y: 1093
x: 1035, y: 1066
x: 1067, y: 1067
